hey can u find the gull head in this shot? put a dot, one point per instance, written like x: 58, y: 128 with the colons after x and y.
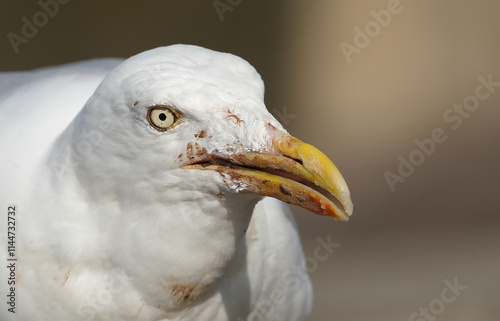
x: 194, y: 119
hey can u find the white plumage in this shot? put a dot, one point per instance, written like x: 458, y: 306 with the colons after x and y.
x: 115, y: 222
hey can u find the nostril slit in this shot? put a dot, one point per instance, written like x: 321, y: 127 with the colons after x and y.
x: 296, y: 159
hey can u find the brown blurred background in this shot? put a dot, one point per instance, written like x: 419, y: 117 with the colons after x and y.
x: 364, y: 109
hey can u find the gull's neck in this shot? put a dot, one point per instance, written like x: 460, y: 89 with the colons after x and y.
x: 172, y: 238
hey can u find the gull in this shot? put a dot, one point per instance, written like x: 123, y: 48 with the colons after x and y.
x: 153, y: 189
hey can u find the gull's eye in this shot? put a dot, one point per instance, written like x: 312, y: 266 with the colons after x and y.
x: 162, y: 117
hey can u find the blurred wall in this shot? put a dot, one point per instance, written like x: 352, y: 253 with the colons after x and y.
x: 397, y: 89
x: 367, y: 80
x: 361, y: 81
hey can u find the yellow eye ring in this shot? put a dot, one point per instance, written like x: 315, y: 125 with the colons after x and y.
x: 162, y: 118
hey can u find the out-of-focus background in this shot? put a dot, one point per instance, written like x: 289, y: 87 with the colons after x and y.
x: 404, y: 96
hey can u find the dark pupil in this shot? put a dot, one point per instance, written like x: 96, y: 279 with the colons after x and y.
x: 162, y: 116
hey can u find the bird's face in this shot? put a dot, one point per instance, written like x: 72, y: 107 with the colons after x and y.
x: 197, y: 114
